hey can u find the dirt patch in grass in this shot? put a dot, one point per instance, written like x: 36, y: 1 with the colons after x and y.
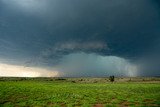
x: 63, y: 105
x: 150, y: 103
x: 50, y: 104
x: 98, y: 105
x: 113, y: 99
x: 124, y: 104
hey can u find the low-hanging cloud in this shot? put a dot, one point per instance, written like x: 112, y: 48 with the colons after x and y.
x: 83, y: 64
x: 54, y: 54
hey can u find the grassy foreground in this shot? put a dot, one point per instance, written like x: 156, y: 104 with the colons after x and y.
x: 71, y: 93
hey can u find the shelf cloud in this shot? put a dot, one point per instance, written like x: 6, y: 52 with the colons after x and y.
x: 82, y: 64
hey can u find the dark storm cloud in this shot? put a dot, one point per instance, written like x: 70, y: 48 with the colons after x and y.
x: 42, y: 33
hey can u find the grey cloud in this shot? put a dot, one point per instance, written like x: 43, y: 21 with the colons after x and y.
x: 53, y: 54
x: 75, y: 46
x: 82, y: 64
x: 94, y: 45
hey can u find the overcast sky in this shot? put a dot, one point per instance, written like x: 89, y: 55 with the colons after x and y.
x: 79, y: 38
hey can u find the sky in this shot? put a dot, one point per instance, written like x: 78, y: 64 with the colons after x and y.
x: 79, y: 38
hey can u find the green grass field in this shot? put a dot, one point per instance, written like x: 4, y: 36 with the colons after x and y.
x: 78, y: 93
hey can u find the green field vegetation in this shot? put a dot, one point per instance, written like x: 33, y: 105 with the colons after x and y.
x: 79, y: 92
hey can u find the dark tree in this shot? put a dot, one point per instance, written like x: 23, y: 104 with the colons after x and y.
x: 111, y: 78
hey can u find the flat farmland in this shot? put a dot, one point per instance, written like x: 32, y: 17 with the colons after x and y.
x: 79, y: 92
